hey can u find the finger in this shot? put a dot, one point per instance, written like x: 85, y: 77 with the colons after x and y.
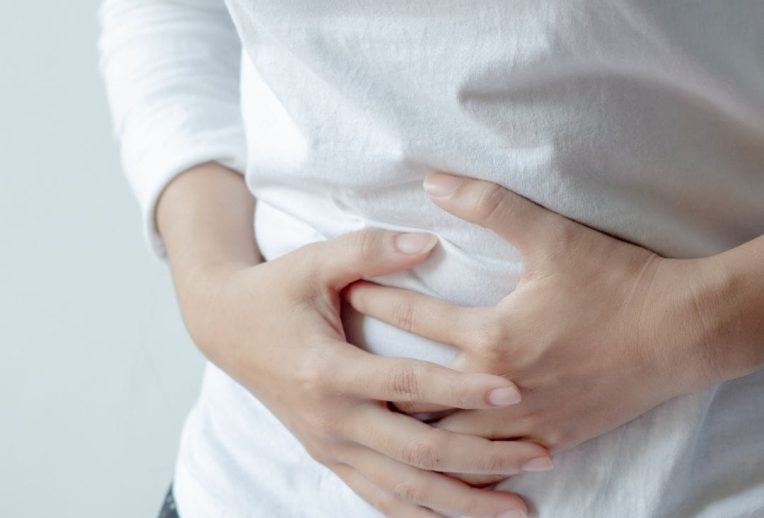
x: 407, y: 440
x: 486, y: 424
x: 479, y: 481
x: 434, y: 490
x: 385, y: 502
x: 511, y: 216
x: 367, y: 253
x: 416, y: 313
x: 368, y: 376
x: 425, y: 412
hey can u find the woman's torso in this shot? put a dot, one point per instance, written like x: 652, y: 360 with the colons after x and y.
x: 644, y: 119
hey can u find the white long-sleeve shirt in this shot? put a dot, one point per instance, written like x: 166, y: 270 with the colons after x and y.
x: 644, y: 119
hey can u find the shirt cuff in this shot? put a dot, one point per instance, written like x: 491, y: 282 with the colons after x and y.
x: 152, y: 168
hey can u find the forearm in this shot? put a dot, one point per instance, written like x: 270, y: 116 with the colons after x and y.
x: 736, y: 311
x: 205, y: 219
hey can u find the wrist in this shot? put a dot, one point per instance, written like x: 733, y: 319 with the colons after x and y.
x: 722, y: 332
x: 738, y: 309
x: 203, y: 295
x: 196, y: 279
x: 686, y: 327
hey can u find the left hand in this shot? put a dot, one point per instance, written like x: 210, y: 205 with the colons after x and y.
x: 597, y: 332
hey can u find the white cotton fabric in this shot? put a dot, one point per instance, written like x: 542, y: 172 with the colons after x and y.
x: 644, y: 119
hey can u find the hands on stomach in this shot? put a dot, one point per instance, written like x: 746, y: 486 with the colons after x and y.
x: 597, y: 332
x: 280, y: 323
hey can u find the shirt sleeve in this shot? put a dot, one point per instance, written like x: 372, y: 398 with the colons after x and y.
x: 171, y: 70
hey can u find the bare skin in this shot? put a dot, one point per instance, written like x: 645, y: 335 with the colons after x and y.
x: 592, y: 317
x: 275, y: 327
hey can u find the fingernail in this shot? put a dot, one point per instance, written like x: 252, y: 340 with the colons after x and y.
x: 411, y: 244
x: 538, y: 464
x: 441, y: 185
x: 514, y: 513
x: 504, y: 396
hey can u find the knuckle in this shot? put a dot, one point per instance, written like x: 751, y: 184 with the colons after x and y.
x: 312, y: 379
x: 421, y: 455
x: 496, y: 462
x: 490, y: 202
x: 491, y: 338
x: 364, y: 243
x: 404, y: 383
x: 315, y: 374
x: 459, y: 397
x: 312, y: 375
x: 441, y: 440
x: 403, y: 316
x: 318, y: 451
x: 409, y: 491
x: 557, y: 437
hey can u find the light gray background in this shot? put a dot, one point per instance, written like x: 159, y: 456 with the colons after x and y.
x: 96, y: 370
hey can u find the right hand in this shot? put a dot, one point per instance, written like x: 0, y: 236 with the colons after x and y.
x: 276, y: 329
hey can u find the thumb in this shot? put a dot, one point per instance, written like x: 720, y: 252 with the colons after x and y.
x: 368, y: 253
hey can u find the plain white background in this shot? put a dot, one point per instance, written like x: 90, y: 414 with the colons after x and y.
x: 96, y: 370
